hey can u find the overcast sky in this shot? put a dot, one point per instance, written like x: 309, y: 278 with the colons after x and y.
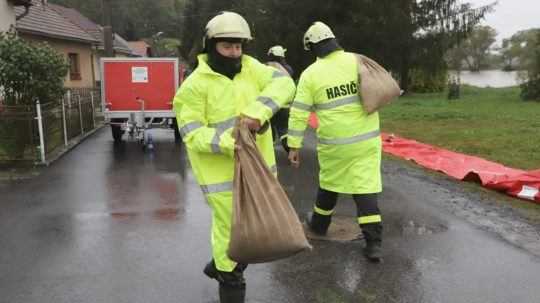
x: 511, y: 16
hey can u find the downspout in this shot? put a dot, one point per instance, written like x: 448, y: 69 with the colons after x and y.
x: 92, y: 62
x: 26, y: 11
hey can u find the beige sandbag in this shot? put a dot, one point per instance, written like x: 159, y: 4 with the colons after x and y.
x: 265, y: 226
x: 377, y: 87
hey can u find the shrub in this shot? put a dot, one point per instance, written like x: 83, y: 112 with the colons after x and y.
x: 425, y: 82
x: 30, y: 71
x: 530, y: 89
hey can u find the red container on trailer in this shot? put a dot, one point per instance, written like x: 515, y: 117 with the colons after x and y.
x: 127, y: 81
x: 137, y: 94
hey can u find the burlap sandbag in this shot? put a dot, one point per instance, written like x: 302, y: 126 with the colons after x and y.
x: 265, y: 226
x: 377, y: 87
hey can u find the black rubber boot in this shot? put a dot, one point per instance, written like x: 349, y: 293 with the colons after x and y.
x: 232, y: 285
x: 373, y: 235
x: 210, y: 270
x: 318, y: 223
x: 373, y: 252
x: 230, y: 294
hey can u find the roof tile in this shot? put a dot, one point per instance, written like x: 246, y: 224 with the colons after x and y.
x: 45, y: 21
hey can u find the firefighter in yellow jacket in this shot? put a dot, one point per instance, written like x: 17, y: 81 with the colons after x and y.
x: 225, y: 86
x: 349, y: 143
x: 276, y: 59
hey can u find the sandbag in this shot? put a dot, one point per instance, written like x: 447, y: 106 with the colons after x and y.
x: 265, y: 226
x: 377, y: 87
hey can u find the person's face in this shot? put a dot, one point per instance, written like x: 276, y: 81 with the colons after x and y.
x: 229, y: 49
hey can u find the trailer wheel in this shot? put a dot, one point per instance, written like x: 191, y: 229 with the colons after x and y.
x: 117, y: 132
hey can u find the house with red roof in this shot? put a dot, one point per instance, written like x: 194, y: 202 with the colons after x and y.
x: 72, y: 34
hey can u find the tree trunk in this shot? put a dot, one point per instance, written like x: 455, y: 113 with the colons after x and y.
x: 404, y: 74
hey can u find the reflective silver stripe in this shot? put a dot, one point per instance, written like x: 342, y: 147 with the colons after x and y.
x: 295, y: 133
x: 215, y: 142
x: 270, y: 103
x: 336, y: 103
x: 301, y: 106
x: 217, y: 188
x: 188, y: 128
x: 273, y: 169
x: 224, y: 124
x: 350, y: 140
x: 220, y: 127
x: 278, y: 74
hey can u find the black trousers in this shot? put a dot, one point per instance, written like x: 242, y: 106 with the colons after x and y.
x: 280, y: 122
x: 366, y: 204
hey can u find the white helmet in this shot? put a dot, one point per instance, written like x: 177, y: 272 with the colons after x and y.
x: 228, y: 25
x: 277, y: 51
x: 317, y: 32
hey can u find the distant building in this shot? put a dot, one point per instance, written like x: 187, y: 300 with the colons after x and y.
x: 7, y: 12
x: 72, y: 34
x: 7, y: 15
x: 120, y: 46
x: 140, y: 48
x: 44, y: 24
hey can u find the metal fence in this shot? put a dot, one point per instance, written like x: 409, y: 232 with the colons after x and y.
x: 17, y: 134
x: 37, y: 133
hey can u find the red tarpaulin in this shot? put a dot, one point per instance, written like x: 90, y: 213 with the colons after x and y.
x: 515, y: 182
x: 313, y: 121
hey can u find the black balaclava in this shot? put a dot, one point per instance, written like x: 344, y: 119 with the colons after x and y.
x: 226, y: 66
x: 325, y: 47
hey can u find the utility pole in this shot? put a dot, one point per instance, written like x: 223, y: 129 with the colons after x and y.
x: 107, y: 28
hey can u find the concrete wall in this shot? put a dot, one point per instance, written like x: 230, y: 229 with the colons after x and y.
x: 7, y: 15
x: 65, y: 47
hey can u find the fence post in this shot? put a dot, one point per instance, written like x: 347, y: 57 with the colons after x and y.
x: 80, y: 114
x: 64, y: 122
x: 93, y: 110
x: 68, y: 94
x: 39, y: 119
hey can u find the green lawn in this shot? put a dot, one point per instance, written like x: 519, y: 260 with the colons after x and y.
x: 492, y: 123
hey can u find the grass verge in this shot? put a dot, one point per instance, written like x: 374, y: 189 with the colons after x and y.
x: 491, y: 123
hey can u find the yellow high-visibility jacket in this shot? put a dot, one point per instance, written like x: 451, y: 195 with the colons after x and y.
x: 207, y: 106
x: 349, y: 143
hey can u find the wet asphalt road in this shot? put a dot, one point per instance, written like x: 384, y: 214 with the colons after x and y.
x: 110, y: 223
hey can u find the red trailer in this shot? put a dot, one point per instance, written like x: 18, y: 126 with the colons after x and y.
x: 137, y: 94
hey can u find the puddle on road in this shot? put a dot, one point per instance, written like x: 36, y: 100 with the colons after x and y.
x: 342, y: 229
x: 124, y: 215
x: 412, y: 228
x: 167, y: 214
